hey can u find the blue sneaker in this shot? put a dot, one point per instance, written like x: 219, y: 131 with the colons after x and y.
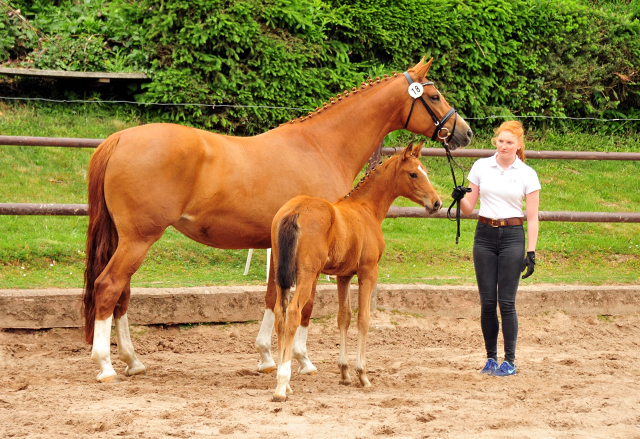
x: 490, y: 367
x: 505, y: 370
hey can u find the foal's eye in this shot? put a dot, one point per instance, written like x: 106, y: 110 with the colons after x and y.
x: 413, y: 175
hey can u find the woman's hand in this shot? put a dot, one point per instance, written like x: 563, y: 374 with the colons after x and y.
x: 529, y: 264
x: 459, y: 192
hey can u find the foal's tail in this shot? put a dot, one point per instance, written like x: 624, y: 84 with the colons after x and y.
x: 287, y: 249
x: 102, y: 237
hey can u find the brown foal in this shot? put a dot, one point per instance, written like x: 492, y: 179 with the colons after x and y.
x: 223, y: 191
x: 312, y: 236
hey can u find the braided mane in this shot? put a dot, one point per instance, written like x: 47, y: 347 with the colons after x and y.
x: 344, y: 95
x: 365, y: 179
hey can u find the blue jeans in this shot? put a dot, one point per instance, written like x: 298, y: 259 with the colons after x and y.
x: 497, y: 256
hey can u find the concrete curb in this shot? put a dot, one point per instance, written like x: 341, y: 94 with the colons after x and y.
x: 54, y: 308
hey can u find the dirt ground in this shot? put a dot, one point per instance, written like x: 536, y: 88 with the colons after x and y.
x: 578, y: 377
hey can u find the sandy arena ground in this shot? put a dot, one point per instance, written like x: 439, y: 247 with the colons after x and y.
x: 578, y: 377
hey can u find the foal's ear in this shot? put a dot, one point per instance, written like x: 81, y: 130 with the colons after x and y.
x: 417, y: 150
x: 407, y: 152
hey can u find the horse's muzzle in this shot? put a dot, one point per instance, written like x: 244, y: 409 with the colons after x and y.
x: 460, y: 139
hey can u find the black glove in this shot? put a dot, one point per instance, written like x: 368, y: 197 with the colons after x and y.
x: 459, y: 192
x: 529, y: 263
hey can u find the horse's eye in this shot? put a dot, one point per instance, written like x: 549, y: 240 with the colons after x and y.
x: 413, y: 175
x: 435, y: 98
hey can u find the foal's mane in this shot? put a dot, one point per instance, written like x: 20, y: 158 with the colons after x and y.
x: 364, y: 85
x: 369, y: 177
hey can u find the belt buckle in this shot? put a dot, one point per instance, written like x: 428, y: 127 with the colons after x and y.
x: 495, y: 223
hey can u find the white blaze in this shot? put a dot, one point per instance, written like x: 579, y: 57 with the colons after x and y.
x: 421, y: 169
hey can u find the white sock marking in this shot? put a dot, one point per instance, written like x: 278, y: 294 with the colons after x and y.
x: 263, y: 341
x: 101, y: 351
x: 125, y: 347
x: 300, y: 351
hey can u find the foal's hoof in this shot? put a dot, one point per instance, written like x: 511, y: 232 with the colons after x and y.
x: 278, y: 398
x: 364, y: 381
x: 345, y: 382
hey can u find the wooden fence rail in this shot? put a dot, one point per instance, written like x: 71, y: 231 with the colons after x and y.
x: 394, y: 211
x: 428, y: 152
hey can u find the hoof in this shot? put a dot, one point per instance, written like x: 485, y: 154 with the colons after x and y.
x: 345, y: 382
x: 308, y: 370
x: 278, y: 398
x: 109, y: 379
x: 267, y: 367
x: 364, y: 380
x: 135, y: 371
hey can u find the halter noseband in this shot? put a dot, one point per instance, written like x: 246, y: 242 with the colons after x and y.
x: 439, y: 123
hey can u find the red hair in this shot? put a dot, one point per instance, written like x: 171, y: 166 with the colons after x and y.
x: 515, y: 128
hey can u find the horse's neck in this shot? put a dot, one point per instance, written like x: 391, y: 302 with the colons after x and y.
x: 376, y: 193
x: 347, y: 132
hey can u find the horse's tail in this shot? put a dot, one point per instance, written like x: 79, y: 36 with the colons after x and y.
x: 287, y: 249
x: 102, y: 237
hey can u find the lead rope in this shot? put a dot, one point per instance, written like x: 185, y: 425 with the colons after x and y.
x: 455, y: 185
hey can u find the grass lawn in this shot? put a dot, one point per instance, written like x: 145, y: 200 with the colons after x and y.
x: 39, y: 251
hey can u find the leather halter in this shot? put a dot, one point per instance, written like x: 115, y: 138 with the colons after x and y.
x: 439, y: 123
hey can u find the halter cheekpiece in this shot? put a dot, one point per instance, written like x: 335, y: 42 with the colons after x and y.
x: 416, y: 93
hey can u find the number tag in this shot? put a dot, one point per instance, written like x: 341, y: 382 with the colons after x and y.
x: 416, y: 90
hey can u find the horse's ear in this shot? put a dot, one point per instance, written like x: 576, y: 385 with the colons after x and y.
x: 424, y: 68
x: 419, y: 65
x: 417, y: 150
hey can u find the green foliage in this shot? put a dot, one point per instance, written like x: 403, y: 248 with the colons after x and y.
x: 522, y: 57
x: 531, y: 57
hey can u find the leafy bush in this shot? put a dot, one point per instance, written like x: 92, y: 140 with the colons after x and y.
x: 522, y: 57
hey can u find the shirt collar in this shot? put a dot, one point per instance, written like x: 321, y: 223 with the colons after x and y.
x: 517, y: 164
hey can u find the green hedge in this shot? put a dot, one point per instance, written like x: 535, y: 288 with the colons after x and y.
x: 524, y: 57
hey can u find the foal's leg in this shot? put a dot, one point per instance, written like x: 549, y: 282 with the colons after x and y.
x: 125, y: 347
x: 287, y: 328
x: 109, y: 288
x: 263, y: 340
x: 366, y: 281
x: 300, y: 340
x: 344, y: 319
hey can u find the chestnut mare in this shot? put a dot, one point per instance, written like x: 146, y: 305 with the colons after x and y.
x: 312, y: 236
x: 223, y: 191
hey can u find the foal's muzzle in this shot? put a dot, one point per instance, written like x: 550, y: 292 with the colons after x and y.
x: 433, y: 209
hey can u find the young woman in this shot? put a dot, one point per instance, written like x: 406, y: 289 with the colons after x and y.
x: 502, y: 181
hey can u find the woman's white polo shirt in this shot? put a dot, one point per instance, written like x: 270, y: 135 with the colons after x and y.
x: 502, y: 191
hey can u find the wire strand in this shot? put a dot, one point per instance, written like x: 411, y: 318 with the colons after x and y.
x: 77, y: 101
x: 178, y: 104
